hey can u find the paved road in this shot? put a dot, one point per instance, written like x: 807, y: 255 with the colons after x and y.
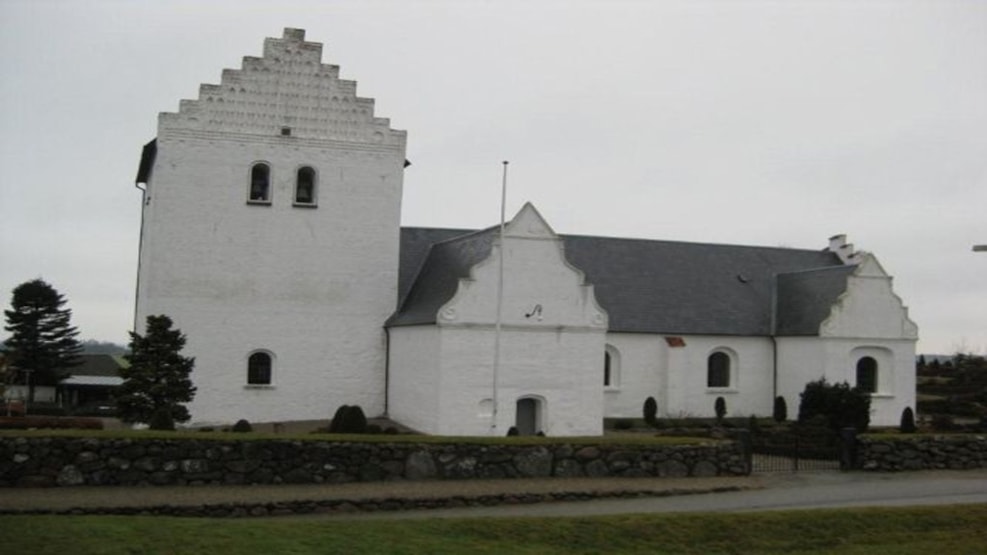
x: 782, y: 492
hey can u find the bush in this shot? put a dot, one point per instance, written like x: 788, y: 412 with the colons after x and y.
x: 780, y: 413
x: 242, y: 426
x: 720, y: 406
x: 513, y: 431
x: 651, y: 411
x: 907, y: 421
x: 841, y: 405
x: 753, y: 425
x: 349, y: 419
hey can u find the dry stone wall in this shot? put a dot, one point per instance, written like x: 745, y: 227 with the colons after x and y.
x: 920, y: 452
x: 45, y: 462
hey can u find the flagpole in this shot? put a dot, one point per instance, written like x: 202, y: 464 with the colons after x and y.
x: 500, y: 301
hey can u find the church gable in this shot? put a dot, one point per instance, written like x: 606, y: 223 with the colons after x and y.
x: 288, y: 92
x: 869, y: 307
x: 540, y: 288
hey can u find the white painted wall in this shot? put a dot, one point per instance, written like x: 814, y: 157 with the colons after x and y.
x: 311, y: 285
x: 554, y: 353
x: 414, y: 375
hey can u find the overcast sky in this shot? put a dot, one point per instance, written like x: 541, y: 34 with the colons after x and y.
x: 748, y: 122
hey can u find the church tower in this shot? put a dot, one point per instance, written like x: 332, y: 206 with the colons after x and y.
x: 270, y: 236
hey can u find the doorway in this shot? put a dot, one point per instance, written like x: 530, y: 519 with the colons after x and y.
x: 528, y: 416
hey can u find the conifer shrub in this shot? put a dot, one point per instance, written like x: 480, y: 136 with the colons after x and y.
x: 162, y: 419
x: 242, y: 426
x: 338, y: 419
x: 650, y: 410
x: 720, y: 406
x: 513, y: 431
x: 780, y: 413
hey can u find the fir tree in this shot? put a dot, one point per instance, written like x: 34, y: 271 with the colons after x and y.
x: 157, y: 383
x: 42, y: 345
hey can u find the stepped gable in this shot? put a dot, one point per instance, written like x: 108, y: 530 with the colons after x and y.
x: 288, y: 92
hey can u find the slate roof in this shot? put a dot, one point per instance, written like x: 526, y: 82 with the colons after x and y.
x: 805, y: 298
x: 645, y: 286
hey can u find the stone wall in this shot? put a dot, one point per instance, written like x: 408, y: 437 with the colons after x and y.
x: 922, y: 452
x: 54, y: 461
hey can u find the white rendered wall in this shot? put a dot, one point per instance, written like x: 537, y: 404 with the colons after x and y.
x: 867, y: 320
x: 414, y: 374
x: 638, y: 371
x: 750, y: 387
x: 553, y: 354
x: 311, y: 285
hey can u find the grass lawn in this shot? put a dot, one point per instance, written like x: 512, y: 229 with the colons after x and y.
x: 902, y: 531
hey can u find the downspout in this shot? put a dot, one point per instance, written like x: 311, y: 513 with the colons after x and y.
x: 387, y: 370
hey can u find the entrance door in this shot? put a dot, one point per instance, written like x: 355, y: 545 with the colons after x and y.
x: 527, y: 417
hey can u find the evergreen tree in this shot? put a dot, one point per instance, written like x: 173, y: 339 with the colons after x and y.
x: 42, y: 344
x: 157, y: 383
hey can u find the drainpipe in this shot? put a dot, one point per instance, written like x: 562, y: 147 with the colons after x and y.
x: 387, y: 370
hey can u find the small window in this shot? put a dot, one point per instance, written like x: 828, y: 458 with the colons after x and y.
x: 259, y: 369
x: 718, y: 370
x: 867, y: 374
x: 260, y: 183
x: 611, y: 367
x: 305, y: 186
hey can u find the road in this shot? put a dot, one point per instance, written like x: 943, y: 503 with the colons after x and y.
x: 783, y: 492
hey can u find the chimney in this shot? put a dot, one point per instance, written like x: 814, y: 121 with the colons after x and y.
x: 842, y: 249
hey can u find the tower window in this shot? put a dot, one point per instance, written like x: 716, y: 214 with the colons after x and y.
x: 259, y: 369
x: 305, y: 186
x: 260, y: 183
x: 285, y: 131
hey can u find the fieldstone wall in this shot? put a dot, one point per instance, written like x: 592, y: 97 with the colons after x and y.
x: 44, y: 462
x: 955, y: 452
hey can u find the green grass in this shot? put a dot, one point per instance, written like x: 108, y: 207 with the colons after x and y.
x: 903, y: 531
x: 638, y: 439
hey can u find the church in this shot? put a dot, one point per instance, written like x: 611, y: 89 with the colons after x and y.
x: 271, y: 236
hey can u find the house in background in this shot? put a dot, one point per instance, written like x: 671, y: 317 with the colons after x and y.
x: 271, y: 236
x: 92, y: 384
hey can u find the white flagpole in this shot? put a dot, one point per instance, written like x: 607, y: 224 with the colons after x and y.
x: 500, y: 301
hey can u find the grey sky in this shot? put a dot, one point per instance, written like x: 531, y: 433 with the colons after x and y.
x: 747, y: 122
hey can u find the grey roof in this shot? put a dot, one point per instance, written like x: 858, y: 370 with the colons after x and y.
x: 805, y: 298
x: 645, y: 286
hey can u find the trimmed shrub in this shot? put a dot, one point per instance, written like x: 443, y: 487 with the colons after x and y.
x: 841, y: 405
x: 651, y: 411
x: 513, y: 431
x: 349, y: 419
x: 242, y: 426
x: 907, y: 421
x: 338, y: 419
x: 720, y: 406
x: 753, y: 425
x: 623, y: 424
x: 780, y: 413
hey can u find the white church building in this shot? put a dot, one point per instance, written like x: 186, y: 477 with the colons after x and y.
x: 271, y: 236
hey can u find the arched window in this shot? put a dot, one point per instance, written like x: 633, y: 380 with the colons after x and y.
x: 305, y: 186
x: 260, y: 183
x: 867, y: 374
x: 259, y: 369
x: 611, y: 367
x: 718, y: 370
